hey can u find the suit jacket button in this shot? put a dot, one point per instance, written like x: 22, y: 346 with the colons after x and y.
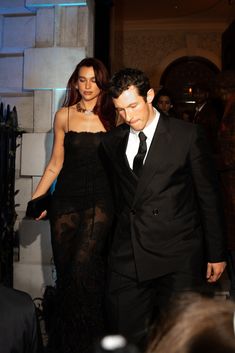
x: 155, y: 212
x: 133, y: 211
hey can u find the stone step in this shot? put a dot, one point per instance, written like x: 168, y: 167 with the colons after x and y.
x: 35, y: 242
x: 33, y: 278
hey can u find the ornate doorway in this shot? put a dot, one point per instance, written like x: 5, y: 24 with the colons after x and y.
x: 182, y: 74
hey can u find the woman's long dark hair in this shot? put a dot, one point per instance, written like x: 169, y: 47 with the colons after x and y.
x: 104, y: 107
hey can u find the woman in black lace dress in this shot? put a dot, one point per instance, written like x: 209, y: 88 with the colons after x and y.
x: 81, y: 209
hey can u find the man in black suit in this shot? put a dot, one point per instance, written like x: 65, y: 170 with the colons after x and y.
x: 206, y: 113
x: 169, y: 232
x: 19, y: 331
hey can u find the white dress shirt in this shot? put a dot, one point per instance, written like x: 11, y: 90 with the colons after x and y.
x: 134, y: 141
x: 198, y: 109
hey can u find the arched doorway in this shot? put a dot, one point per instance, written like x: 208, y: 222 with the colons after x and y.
x: 182, y: 74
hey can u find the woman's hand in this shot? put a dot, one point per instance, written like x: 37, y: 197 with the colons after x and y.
x: 42, y: 215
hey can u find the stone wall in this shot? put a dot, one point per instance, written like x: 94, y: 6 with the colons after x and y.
x: 153, y: 45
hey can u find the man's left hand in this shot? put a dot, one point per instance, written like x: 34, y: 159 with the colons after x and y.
x: 214, y: 271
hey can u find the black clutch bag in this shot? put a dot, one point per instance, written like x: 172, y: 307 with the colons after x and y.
x: 36, y: 206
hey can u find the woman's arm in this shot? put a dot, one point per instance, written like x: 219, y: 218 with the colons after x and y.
x: 57, y: 157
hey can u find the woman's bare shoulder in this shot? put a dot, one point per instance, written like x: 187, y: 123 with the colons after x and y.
x: 62, y: 111
x: 61, y: 117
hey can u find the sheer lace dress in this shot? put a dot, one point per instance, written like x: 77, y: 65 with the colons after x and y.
x: 80, y: 218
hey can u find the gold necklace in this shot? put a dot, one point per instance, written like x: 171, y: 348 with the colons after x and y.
x: 83, y: 110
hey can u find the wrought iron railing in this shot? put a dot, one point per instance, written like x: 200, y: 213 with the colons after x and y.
x: 9, y: 132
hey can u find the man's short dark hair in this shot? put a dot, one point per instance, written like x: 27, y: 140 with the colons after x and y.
x: 127, y: 77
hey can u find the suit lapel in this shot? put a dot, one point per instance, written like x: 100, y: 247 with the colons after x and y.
x: 155, y: 155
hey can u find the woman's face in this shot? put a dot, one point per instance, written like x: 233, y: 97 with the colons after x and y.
x: 164, y: 103
x: 87, y: 84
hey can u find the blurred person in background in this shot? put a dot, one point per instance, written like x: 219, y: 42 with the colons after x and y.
x: 205, y: 113
x: 195, y: 324
x: 19, y: 329
x: 163, y: 102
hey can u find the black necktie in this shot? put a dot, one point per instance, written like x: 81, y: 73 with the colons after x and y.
x: 139, y: 158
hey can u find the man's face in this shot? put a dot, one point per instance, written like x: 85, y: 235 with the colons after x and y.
x: 200, y: 96
x: 133, y: 108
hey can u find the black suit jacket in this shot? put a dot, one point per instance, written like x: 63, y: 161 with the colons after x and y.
x: 170, y: 219
x: 209, y: 118
x: 19, y: 332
